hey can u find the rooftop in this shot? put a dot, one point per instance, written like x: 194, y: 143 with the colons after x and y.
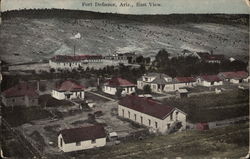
x: 21, y: 89
x: 146, y: 106
x: 210, y: 78
x: 119, y: 82
x: 69, y: 58
x: 184, y: 79
x: 70, y: 86
x: 234, y: 75
x: 83, y: 133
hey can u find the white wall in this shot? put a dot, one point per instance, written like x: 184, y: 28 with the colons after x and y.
x: 161, y: 124
x: 83, y: 144
x: 113, y: 90
x: 208, y: 84
x: 61, y: 95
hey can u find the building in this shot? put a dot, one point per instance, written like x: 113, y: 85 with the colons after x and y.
x: 81, y: 138
x: 210, y: 58
x: 68, y: 90
x: 234, y: 77
x: 180, y: 82
x: 115, y: 84
x: 116, y: 58
x: 152, y: 114
x: 73, y: 62
x: 156, y: 81
x: 209, y: 80
x: 21, y: 94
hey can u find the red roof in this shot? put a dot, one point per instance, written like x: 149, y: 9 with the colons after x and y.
x: 146, y: 106
x: 184, y: 79
x: 116, y: 82
x: 210, y: 78
x: 67, y: 58
x: 19, y: 90
x: 70, y: 86
x: 83, y: 133
x: 207, y: 57
x: 234, y: 75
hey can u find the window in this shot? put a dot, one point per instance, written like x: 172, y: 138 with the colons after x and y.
x: 149, y: 122
x: 93, y: 141
x: 156, y: 125
x: 141, y: 120
x: 61, y: 142
x: 171, y: 116
x: 135, y: 117
x: 78, y: 143
x: 176, y: 115
x: 168, y: 126
x: 128, y: 114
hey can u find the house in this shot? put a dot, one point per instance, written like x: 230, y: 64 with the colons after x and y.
x: 68, y: 90
x: 234, y: 77
x: 73, y: 62
x: 210, y: 58
x: 209, y: 80
x: 115, y: 84
x: 81, y: 138
x: 152, y: 114
x: 182, y: 93
x: 22, y: 94
x: 156, y: 81
x: 180, y: 82
x: 120, y: 58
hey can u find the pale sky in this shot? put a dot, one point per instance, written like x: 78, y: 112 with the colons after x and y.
x: 167, y: 6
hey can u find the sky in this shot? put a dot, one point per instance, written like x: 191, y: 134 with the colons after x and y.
x: 166, y: 6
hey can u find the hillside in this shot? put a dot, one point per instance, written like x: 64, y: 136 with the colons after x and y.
x: 34, y: 35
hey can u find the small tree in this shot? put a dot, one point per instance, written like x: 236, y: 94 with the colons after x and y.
x: 147, y: 89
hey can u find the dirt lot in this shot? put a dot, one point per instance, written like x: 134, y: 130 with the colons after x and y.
x: 46, y: 130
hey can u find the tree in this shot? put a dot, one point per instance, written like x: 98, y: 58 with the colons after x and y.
x: 147, y: 89
x: 162, y: 56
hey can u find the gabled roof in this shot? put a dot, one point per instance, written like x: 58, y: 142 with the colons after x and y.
x: 21, y: 89
x: 83, y: 133
x: 234, y: 75
x: 207, y: 57
x: 146, y: 106
x: 184, y: 79
x: 68, y: 58
x: 117, y: 81
x: 155, y: 74
x: 70, y: 86
x: 210, y: 78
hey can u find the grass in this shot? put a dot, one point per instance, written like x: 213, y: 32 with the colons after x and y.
x: 202, y: 108
x: 230, y: 141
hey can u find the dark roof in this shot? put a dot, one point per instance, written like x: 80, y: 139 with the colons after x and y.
x: 234, y: 75
x: 210, y: 78
x: 21, y: 89
x: 184, y: 79
x: 70, y: 86
x: 115, y: 82
x: 68, y: 58
x: 159, y: 80
x: 83, y: 133
x: 146, y: 106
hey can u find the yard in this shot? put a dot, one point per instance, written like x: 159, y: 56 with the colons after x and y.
x: 211, y: 107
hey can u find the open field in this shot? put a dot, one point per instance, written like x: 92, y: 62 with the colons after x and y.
x: 40, y: 39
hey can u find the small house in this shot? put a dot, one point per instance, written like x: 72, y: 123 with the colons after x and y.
x: 180, y: 82
x: 209, y: 80
x: 116, y: 84
x: 81, y: 138
x: 68, y: 90
x: 22, y: 94
x: 182, y: 93
x: 234, y: 77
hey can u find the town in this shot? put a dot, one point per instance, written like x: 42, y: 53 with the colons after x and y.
x: 78, y: 103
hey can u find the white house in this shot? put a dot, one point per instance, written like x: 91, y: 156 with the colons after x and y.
x: 156, y: 81
x: 81, y: 138
x: 67, y: 62
x: 209, y: 80
x: 180, y: 82
x: 152, y: 114
x: 234, y: 77
x: 210, y: 58
x: 69, y: 90
x: 114, y: 84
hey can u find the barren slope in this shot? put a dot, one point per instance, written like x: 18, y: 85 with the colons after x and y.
x: 26, y: 40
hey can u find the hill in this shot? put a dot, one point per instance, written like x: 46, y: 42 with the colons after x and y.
x: 34, y: 35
